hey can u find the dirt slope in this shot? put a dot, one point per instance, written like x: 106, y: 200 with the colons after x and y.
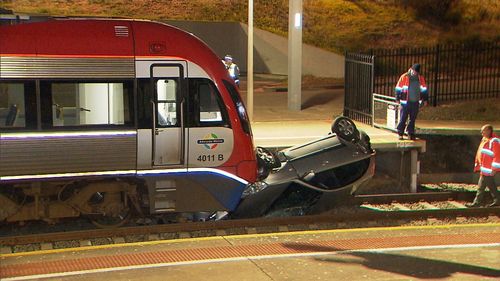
x: 336, y: 25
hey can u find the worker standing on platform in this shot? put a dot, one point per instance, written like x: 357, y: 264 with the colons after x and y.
x: 487, y: 162
x: 411, y: 92
x: 233, y: 69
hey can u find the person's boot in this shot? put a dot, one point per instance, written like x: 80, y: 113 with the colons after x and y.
x: 495, y: 203
x: 477, y: 200
x: 473, y: 205
x: 496, y: 197
x: 401, y: 137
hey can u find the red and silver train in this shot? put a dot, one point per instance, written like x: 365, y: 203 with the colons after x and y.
x: 99, y: 117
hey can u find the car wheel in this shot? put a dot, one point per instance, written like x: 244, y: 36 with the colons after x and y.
x: 364, y: 142
x: 269, y: 159
x: 345, y: 128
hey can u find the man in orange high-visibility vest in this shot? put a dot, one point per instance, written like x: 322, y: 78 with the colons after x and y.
x: 233, y: 69
x: 487, y: 163
x: 411, y: 91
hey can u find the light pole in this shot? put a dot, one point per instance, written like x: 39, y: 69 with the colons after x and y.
x: 250, y: 62
x: 294, y: 55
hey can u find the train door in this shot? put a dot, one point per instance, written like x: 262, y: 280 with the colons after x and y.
x: 168, y: 120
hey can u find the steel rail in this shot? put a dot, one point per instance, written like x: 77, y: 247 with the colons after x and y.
x: 299, y: 223
x: 413, y: 197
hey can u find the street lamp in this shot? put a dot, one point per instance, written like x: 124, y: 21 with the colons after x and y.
x: 294, y: 55
x: 250, y: 61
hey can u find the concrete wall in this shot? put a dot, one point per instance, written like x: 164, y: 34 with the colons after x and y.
x: 270, y: 50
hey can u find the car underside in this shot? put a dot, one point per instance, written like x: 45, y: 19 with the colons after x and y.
x: 315, y: 173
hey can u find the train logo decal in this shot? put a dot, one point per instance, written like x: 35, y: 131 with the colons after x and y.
x: 210, y: 141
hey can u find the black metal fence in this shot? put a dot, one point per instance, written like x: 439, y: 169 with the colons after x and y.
x: 359, y: 75
x: 452, y: 72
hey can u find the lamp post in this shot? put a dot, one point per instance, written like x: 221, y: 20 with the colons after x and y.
x: 250, y: 62
x: 294, y: 55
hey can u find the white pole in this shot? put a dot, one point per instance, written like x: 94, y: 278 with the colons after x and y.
x: 295, y: 55
x: 250, y: 62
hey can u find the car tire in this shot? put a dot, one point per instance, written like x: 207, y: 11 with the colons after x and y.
x: 345, y: 129
x: 266, y: 162
x: 269, y: 159
x: 364, y: 142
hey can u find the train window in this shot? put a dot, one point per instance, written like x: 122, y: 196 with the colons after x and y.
x: 17, y: 108
x: 144, y: 108
x: 166, y: 91
x: 207, y: 108
x: 89, y: 103
x: 242, y: 113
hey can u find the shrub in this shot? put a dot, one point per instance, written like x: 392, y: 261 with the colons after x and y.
x: 437, y: 11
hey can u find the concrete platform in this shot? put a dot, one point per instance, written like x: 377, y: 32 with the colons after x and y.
x: 289, y: 133
x: 458, y: 252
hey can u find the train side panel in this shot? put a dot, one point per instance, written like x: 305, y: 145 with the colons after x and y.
x: 30, y: 155
x: 80, y: 128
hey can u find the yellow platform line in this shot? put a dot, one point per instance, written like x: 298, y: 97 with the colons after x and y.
x: 244, y: 236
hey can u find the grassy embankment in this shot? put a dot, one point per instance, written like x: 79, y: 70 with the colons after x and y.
x: 335, y: 25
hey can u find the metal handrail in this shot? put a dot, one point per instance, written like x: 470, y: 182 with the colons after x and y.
x: 390, y: 100
x: 386, y: 99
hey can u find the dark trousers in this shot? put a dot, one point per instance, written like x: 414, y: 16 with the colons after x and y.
x: 408, y: 110
x: 486, y: 181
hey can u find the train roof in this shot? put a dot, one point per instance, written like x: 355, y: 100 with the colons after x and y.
x: 104, y: 38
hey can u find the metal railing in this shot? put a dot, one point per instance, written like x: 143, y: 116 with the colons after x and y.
x: 385, y: 112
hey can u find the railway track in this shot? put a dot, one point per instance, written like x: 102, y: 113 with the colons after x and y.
x: 414, y: 197
x: 363, y: 211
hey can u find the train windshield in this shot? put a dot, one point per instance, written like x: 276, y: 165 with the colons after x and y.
x: 242, y: 113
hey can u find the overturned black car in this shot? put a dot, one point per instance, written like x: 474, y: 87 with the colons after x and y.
x: 308, y: 178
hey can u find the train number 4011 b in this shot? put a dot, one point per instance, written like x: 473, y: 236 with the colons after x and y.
x: 210, y: 158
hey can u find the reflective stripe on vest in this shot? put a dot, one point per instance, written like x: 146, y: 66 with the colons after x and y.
x: 487, y: 152
x: 486, y: 171
x: 231, y: 70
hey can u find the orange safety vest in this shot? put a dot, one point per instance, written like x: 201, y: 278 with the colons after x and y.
x: 402, y: 88
x: 488, y: 156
